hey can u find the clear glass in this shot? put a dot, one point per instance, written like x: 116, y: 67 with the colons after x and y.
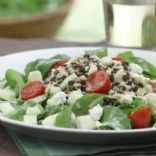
x: 130, y: 23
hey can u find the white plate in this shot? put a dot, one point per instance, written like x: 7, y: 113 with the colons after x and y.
x: 18, y: 62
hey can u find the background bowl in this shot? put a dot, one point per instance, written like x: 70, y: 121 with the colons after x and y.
x: 42, y: 25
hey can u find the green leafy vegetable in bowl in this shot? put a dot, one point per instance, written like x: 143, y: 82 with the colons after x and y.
x: 91, y: 91
x: 18, y: 8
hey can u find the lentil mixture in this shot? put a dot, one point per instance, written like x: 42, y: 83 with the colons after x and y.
x: 84, y: 65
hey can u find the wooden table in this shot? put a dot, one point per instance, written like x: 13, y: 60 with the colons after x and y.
x: 8, y: 46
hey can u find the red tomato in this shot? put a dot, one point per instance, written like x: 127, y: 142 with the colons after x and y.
x: 154, y: 87
x: 118, y: 58
x: 141, y: 118
x: 32, y: 89
x: 98, y: 82
x: 57, y: 64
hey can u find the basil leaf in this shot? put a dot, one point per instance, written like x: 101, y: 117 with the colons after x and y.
x: 99, y: 52
x: 15, y: 80
x: 43, y: 65
x: 114, y: 118
x: 64, y: 119
x: 82, y: 105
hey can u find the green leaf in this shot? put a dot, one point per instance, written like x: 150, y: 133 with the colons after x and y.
x: 125, y: 54
x: 99, y: 52
x: 61, y: 57
x: 19, y: 8
x: 139, y: 102
x: 82, y: 105
x: 15, y: 80
x: 53, y: 110
x: 154, y: 126
x: 136, y: 104
x: 43, y: 65
x: 32, y: 102
x: 148, y: 68
x: 64, y: 119
x: 114, y: 118
x: 7, y: 94
x: 16, y: 116
x: 127, y: 108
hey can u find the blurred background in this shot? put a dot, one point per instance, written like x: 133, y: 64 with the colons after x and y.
x: 85, y: 22
x: 63, y: 20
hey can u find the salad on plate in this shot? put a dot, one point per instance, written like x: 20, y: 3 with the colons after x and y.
x: 92, y: 91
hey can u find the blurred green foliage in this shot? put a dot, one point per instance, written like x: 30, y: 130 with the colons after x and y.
x: 14, y: 8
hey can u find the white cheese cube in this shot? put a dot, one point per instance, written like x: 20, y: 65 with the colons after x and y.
x: 62, y: 72
x: 139, y: 78
x: 119, y: 76
x: 35, y: 110
x: 151, y: 99
x: 106, y: 61
x: 85, y: 122
x: 50, y: 120
x: 73, y: 96
x: 65, y: 82
x: 2, y: 83
x: 98, y: 124
x: 57, y: 99
x: 96, y: 112
x: 34, y: 76
x: 30, y: 119
x: 109, y: 71
x: 7, y: 94
x: 6, y: 108
x: 82, y: 77
x: 127, y: 99
x: 52, y: 90
x: 135, y: 68
x: 141, y: 92
x: 95, y: 57
x: 71, y: 61
x: 148, y: 88
x: 73, y: 117
x: 93, y: 68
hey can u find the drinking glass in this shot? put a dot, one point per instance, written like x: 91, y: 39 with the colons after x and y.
x: 130, y: 23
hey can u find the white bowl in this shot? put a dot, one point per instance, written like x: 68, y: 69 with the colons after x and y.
x: 18, y: 62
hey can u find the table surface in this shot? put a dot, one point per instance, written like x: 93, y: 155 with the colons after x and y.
x: 8, y: 46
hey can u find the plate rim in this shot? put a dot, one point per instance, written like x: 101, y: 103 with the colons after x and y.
x: 77, y: 47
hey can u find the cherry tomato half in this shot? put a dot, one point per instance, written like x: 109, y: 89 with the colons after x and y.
x: 141, y: 118
x: 98, y: 82
x: 32, y: 90
x: 57, y: 64
x: 154, y: 87
x: 118, y: 59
